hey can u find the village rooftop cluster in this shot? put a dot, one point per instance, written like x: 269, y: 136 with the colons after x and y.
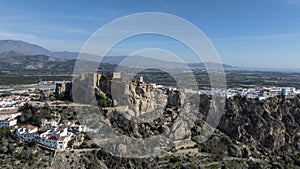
x: 12, y: 102
x: 50, y: 134
x: 262, y: 93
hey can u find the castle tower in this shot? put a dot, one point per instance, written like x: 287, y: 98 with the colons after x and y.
x: 82, y: 76
x: 141, y: 79
x: 116, y: 75
x: 95, y: 80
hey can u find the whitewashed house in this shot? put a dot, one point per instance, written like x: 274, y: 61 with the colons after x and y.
x: 288, y: 91
x: 27, y: 129
x: 12, y: 113
x: 29, y: 136
x: 50, y: 135
x: 75, y: 127
x: 62, y: 142
x: 9, y: 122
x: 49, y: 124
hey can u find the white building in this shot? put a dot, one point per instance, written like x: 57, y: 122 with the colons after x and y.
x: 75, y: 127
x: 252, y: 95
x: 288, y: 91
x: 62, y: 142
x: 27, y: 129
x: 7, y: 118
x: 57, y: 139
x: 11, y: 114
x: 50, y: 135
x: 10, y: 122
x: 49, y: 124
x: 260, y: 98
x: 231, y: 93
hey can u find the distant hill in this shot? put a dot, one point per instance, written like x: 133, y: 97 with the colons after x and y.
x: 21, y: 47
x: 10, y: 53
x: 73, y: 55
x: 36, y: 62
x: 19, y: 51
x: 140, y: 61
x: 210, y: 64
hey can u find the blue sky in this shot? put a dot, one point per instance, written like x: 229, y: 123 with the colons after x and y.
x: 246, y: 33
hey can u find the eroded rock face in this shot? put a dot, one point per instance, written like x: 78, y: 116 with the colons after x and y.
x: 249, y: 128
x: 145, y: 111
x: 145, y: 99
x: 267, y: 126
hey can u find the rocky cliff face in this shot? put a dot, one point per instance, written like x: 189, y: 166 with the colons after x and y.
x: 266, y: 127
x: 145, y: 99
x: 144, y: 111
x: 251, y: 134
x: 249, y: 128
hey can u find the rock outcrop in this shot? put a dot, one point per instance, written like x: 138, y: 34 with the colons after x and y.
x: 268, y: 126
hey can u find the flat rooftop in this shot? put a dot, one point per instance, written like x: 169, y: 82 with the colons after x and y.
x: 10, y: 111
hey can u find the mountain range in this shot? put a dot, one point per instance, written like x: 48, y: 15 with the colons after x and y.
x: 23, y: 55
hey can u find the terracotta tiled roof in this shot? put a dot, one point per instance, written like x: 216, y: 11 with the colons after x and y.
x: 11, y: 111
x: 52, y: 138
x: 31, y: 127
x: 62, y: 138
